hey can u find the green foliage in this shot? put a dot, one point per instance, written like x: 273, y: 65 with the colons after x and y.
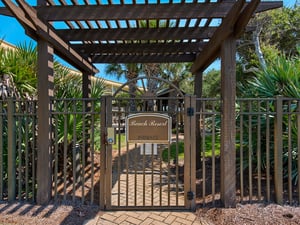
x: 209, y: 148
x: 68, y: 92
x: 280, y: 77
x: 21, y: 64
x: 278, y: 30
x: 174, y: 148
x: 211, y: 84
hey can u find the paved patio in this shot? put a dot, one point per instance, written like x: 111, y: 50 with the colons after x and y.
x: 146, y: 217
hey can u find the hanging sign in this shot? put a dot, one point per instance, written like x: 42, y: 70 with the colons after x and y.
x: 148, y: 128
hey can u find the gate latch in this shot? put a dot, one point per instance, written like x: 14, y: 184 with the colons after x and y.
x: 111, y: 135
x: 190, y: 195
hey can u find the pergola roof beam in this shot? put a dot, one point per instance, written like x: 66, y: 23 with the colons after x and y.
x: 138, y: 48
x: 137, y: 11
x: 211, y: 50
x: 151, y: 58
x: 36, y: 26
x: 136, y: 34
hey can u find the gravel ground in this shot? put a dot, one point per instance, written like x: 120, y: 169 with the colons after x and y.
x: 258, y: 214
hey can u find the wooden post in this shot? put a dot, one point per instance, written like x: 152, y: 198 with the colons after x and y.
x: 11, y: 150
x: 105, y: 154
x: 278, y: 166
x: 228, y: 151
x: 86, y: 85
x: 198, y: 92
x: 44, y: 137
x: 190, y: 152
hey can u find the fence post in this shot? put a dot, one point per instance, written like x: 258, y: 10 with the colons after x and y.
x: 1, y: 150
x: 11, y: 150
x: 278, y: 165
x: 105, y: 154
x: 190, y: 152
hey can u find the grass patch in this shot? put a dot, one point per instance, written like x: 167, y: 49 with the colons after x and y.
x: 208, y: 149
x: 173, y: 152
x: 122, y: 138
x: 209, y: 146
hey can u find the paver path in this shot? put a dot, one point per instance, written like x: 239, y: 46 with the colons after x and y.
x: 147, y: 217
x: 140, y: 180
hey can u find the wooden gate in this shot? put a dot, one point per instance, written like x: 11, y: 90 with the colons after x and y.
x: 147, y: 172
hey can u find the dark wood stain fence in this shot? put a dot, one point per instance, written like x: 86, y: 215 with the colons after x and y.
x: 267, y: 149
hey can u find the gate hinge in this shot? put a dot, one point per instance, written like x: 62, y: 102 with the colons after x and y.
x: 190, y: 195
x: 190, y: 111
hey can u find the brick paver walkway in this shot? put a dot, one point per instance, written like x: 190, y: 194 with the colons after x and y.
x: 147, y: 217
x: 145, y: 184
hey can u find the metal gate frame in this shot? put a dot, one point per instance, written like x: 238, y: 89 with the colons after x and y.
x: 189, y: 157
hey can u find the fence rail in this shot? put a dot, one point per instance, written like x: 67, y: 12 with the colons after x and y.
x: 267, y: 149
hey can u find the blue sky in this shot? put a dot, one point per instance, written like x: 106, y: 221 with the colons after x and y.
x: 11, y: 31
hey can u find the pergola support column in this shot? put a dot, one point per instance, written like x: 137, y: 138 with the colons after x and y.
x: 228, y: 151
x: 86, y: 85
x: 198, y: 92
x: 44, y: 136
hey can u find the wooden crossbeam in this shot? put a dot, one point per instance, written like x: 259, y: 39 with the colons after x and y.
x: 151, y: 58
x: 136, y: 12
x: 136, y: 34
x: 35, y: 25
x: 211, y: 50
x: 137, y: 48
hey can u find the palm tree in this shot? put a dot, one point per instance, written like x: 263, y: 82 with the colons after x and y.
x: 18, y: 70
x: 130, y: 72
x: 280, y: 77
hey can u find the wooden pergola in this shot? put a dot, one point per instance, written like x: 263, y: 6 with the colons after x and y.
x: 85, y: 32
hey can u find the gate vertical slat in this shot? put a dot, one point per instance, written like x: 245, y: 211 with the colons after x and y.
x: 278, y: 151
x: 177, y: 151
x: 160, y: 179
x: 203, y: 155
x: 103, y: 153
x: 268, y: 150
x: 108, y: 154
x: 144, y: 181
x: 298, y: 146
x: 119, y: 152
x: 213, y: 154
x: 92, y: 150
x: 1, y: 150
x: 74, y: 152
x: 20, y: 163
x: 250, y: 151
x: 187, y: 144
x: 127, y: 175
x: 290, y: 195
x: 135, y: 175
x: 258, y: 151
x: 26, y: 151
x: 55, y: 157
x: 152, y: 178
x: 65, y: 149
x: 193, y: 155
x: 11, y: 150
x: 169, y: 172
x: 33, y: 119
x: 83, y: 149
x: 241, y: 151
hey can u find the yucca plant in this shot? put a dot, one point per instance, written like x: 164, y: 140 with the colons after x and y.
x: 281, y: 77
